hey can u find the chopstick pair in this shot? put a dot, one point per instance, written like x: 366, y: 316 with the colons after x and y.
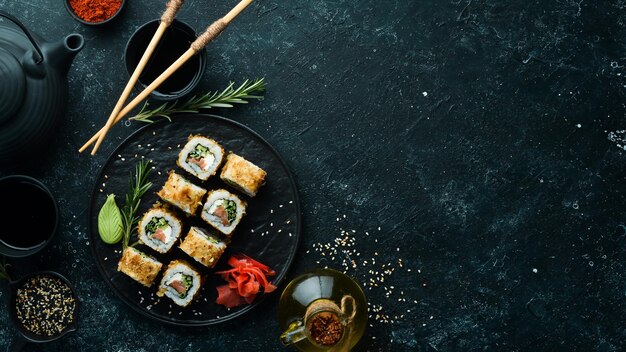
x: 209, y: 34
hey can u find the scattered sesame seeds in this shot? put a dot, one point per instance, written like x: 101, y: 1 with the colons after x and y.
x: 344, y: 251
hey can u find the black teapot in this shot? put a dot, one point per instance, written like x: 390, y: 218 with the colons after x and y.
x: 33, y: 86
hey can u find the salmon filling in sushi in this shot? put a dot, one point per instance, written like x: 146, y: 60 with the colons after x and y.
x: 201, y: 157
x: 223, y: 210
x: 159, y: 229
x: 181, y: 283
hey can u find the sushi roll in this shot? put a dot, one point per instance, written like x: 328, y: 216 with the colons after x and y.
x: 201, y: 157
x: 182, y: 193
x: 205, y: 248
x: 180, y: 282
x: 159, y: 229
x: 223, y: 210
x: 243, y: 175
x: 139, y: 266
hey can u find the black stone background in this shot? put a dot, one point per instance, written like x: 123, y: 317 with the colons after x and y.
x: 474, y: 133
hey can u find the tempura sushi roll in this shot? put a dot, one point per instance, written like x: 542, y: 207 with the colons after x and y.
x: 205, y: 248
x: 242, y: 175
x: 223, y: 210
x: 201, y: 157
x: 180, y: 282
x: 159, y: 229
x: 182, y: 193
x: 139, y: 266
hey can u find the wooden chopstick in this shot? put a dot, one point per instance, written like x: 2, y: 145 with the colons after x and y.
x: 209, y: 34
x: 171, y: 8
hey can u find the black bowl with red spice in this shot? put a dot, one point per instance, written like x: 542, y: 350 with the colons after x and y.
x: 94, y: 12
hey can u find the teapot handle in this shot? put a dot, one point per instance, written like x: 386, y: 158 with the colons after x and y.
x: 27, y: 32
x: 294, y: 333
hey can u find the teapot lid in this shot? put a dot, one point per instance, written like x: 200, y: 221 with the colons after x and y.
x: 12, y: 85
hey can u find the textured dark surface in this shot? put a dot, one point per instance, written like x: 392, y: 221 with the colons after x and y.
x: 269, y: 231
x: 473, y: 133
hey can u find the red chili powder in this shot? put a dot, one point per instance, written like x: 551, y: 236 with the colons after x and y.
x: 95, y: 10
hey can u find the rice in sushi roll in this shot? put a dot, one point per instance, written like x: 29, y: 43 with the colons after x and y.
x: 205, y: 248
x: 159, y: 229
x: 182, y: 193
x: 139, y: 266
x: 243, y: 175
x: 223, y: 210
x: 201, y: 157
x: 180, y: 282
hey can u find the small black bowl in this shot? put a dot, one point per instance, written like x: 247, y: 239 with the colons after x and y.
x: 92, y: 24
x: 27, y: 336
x: 39, y: 194
x: 175, y: 41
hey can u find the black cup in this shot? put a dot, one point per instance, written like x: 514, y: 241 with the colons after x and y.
x: 175, y: 41
x: 32, y: 216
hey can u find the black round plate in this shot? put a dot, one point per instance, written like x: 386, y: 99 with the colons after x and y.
x: 269, y: 232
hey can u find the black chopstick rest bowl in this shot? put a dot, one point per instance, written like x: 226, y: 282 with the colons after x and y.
x: 175, y: 42
x: 48, y: 286
x: 32, y: 216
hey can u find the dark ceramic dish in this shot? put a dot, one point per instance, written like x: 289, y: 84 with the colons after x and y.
x: 27, y: 336
x: 69, y: 9
x: 269, y: 232
x: 176, y: 40
x: 42, y: 191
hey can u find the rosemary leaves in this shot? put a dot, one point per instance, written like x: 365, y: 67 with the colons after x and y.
x: 224, y: 99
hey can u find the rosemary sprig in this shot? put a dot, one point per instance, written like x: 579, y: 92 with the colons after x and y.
x: 223, y: 99
x: 138, y: 185
x: 4, y: 274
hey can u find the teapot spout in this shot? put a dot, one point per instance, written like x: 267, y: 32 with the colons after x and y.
x: 61, y: 54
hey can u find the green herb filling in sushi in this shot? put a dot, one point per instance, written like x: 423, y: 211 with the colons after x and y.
x: 159, y: 229
x: 201, y: 157
x: 225, y: 210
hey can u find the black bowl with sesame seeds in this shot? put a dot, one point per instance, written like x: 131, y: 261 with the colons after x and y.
x: 43, y: 306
